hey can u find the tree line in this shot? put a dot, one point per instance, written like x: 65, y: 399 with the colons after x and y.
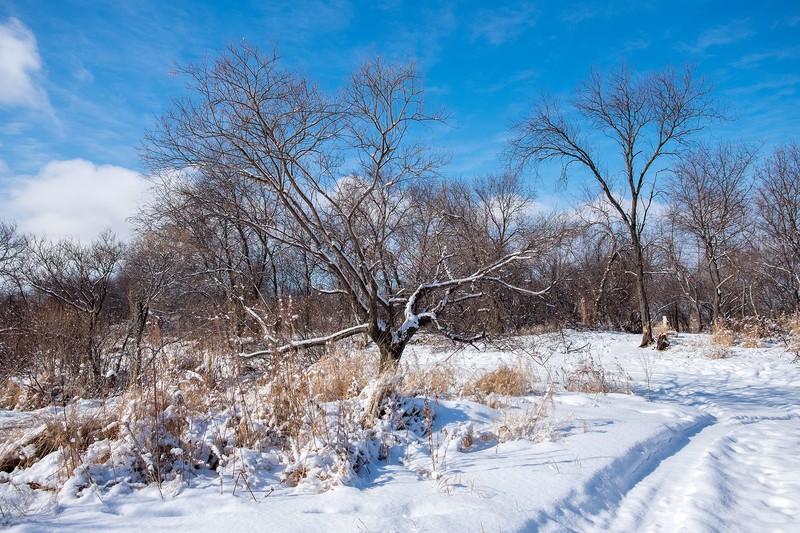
x: 285, y: 218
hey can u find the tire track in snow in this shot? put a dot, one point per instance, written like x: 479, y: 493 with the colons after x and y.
x: 715, y: 467
x: 734, y: 457
x: 587, y: 507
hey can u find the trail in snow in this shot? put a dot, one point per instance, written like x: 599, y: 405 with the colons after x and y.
x: 739, y: 472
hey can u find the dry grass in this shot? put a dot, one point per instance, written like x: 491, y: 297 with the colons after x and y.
x: 340, y: 375
x: 194, y: 407
x: 436, y: 382
x: 588, y: 377
x: 749, y: 332
x: 69, y: 431
x: 504, y: 380
x: 533, y: 423
x: 791, y: 324
x: 12, y: 394
x: 724, y: 337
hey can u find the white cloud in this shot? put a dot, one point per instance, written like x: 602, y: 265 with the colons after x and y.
x: 20, y: 67
x: 75, y: 198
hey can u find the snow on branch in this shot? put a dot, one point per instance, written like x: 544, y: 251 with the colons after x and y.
x: 412, y: 319
x: 309, y: 343
x: 261, y: 323
x: 520, y: 289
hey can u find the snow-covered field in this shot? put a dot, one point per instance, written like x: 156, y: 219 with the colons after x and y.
x: 715, y: 449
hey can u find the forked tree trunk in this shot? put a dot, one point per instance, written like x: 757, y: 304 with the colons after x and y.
x: 389, y: 357
x: 390, y: 351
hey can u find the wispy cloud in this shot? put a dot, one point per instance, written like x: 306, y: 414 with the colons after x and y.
x: 501, y: 25
x: 723, y: 35
x: 786, y: 84
x: 577, y: 14
x: 519, y: 79
x: 20, y: 67
x: 74, y: 198
x: 754, y: 60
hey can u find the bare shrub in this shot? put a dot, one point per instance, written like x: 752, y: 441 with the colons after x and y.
x: 587, y: 376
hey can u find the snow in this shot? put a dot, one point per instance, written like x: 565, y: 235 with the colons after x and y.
x: 715, y: 450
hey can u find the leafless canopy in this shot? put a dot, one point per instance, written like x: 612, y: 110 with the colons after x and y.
x: 344, y: 174
x: 779, y: 207
x: 647, y: 117
x: 710, y: 199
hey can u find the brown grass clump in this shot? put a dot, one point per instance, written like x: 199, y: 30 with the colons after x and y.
x: 437, y: 381
x: 12, y: 394
x: 340, y: 375
x: 503, y: 380
x: 290, y: 399
x: 791, y: 324
x: 724, y: 337
x: 751, y: 342
x: 533, y: 423
x: 70, y: 431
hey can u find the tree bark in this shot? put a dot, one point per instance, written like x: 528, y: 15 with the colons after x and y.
x: 641, y: 292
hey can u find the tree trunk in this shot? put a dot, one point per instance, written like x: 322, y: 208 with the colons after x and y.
x: 389, y: 357
x: 390, y: 351
x: 641, y: 292
x: 716, y: 297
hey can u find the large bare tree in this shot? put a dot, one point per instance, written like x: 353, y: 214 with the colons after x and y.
x: 343, y: 172
x: 710, y: 197
x: 648, y: 117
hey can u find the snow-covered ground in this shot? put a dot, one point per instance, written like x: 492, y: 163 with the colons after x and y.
x: 716, y: 449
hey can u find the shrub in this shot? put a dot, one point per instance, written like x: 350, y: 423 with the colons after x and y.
x: 590, y: 376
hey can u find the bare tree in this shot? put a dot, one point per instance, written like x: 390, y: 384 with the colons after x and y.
x: 249, y: 117
x: 218, y: 218
x: 649, y: 117
x: 11, y: 312
x: 779, y: 208
x: 78, y: 279
x: 150, y: 267
x: 710, y: 197
x: 11, y: 250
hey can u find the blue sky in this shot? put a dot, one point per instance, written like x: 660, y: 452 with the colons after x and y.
x: 80, y: 81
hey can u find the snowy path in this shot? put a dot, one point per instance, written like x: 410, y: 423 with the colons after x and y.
x: 738, y: 472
